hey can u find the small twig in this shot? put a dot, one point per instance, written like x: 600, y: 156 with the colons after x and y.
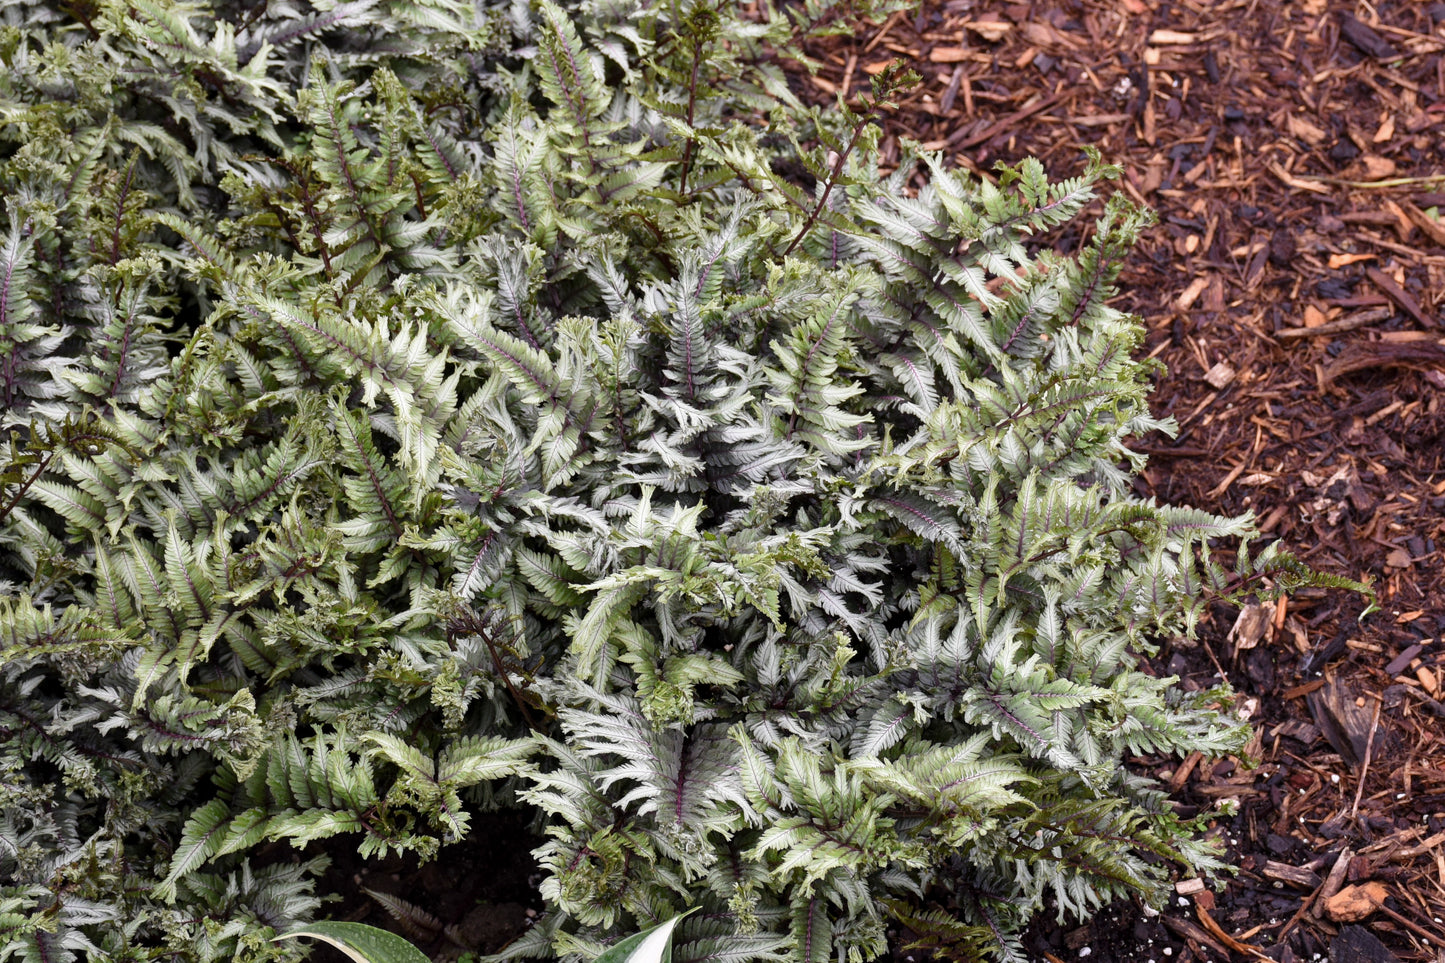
x: 1390, y: 182
x: 1312, y: 182
x: 1365, y: 766
x: 833, y: 176
x: 1330, y: 883
x: 1003, y: 124
x: 883, y: 32
x: 1299, y: 914
x: 1434, y: 937
x: 1349, y: 323
x: 848, y: 69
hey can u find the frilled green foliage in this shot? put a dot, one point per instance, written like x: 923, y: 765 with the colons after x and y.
x: 416, y: 406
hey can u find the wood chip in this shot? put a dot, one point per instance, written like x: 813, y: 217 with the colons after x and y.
x: 948, y: 55
x: 1340, y: 325
x: 1333, y: 881
x: 991, y: 30
x: 1344, y: 722
x: 1357, y: 902
x: 1251, y: 625
x: 1181, y: 775
x: 1338, y: 261
x: 1172, y: 37
x: 1434, y: 229
x: 1191, y: 931
x: 1420, y: 352
x: 1305, y: 131
x: 1237, y: 945
x: 1297, y: 729
x: 1358, y: 945
x: 1189, y: 295
x: 1220, y: 375
x: 1377, y: 168
x: 1296, y: 875
x: 1099, y: 120
x: 1298, y: 183
x: 1365, y: 40
x: 1402, y: 661
x: 1399, y: 295
x: 1188, y: 887
x: 1413, y: 851
x: 1305, y: 689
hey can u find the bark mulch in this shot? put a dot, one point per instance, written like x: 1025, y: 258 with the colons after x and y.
x: 1295, y: 154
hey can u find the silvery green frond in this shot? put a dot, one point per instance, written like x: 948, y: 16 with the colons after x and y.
x: 413, y: 408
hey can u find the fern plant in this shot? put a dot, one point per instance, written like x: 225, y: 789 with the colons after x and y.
x: 421, y: 407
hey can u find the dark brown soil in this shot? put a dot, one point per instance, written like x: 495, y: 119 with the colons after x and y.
x: 475, y: 899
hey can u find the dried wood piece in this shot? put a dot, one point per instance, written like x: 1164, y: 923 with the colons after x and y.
x: 1250, y: 625
x: 1344, y: 722
x: 1420, y: 850
x: 882, y: 33
x: 1339, y: 326
x: 990, y: 30
x: 1304, y: 689
x: 1304, y: 130
x: 1234, y: 943
x: 1220, y: 375
x: 951, y: 94
x: 1355, y: 944
x: 948, y: 55
x: 1377, y: 168
x: 1365, y: 40
x: 1356, y: 902
x: 1338, y: 261
x: 1298, y: 183
x: 1399, y: 663
x: 1297, y: 729
x: 1189, y: 295
x: 1377, y: 218
x: 1172, y: 37
x: 1419, y: 355
x: 1332, y: 883
x: 1296, y: 875
x: 1181, y: 775
x: 1098, y: 120
x: 1400, y: 296
x: 1189, y: 931
x: 1434, y: 229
